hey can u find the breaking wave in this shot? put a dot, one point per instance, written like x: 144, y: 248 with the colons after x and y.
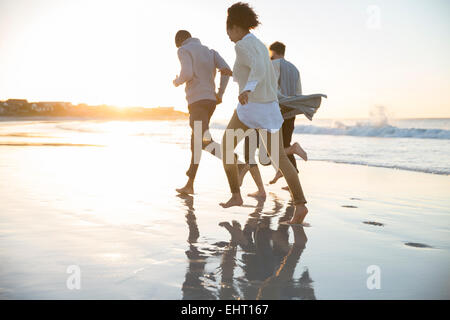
x: 367, y: 130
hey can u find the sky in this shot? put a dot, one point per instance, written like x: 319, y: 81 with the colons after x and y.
x: 361, y: 54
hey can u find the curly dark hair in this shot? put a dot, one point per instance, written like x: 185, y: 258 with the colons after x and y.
x: 242, y: 15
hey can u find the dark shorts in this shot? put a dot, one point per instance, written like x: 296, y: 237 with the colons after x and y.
x: 199, y: 111
x: 287, y: 130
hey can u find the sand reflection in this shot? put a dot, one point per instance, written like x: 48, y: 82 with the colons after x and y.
x: 257, y: 262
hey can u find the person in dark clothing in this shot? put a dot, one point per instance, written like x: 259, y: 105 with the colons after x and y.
x: 289, y: 84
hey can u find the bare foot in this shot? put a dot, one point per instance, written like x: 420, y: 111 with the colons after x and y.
x: 235, y: 200
x: 278, y: 175
x: 260, y: 194
x: 299, y: 215
x: 187, y: 189
x: 243, y: 169
x: 298, y: 150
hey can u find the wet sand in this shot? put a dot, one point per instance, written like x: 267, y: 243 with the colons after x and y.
x: 113, y: 211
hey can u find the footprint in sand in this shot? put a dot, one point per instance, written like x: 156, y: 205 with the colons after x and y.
x: 373, y: 223
x: 417, y: 245
x: 352, y: 207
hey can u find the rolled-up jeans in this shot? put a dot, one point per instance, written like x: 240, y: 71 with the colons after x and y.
x: 273, y: 144
x: 199, y: 111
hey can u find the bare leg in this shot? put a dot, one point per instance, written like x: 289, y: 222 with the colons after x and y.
x: 298, y: 150
x: 233, y: 134
x: 256, y: 175
x: 242, y: 172
x: 188, y: 188
x: 294, y: 149
x: 289, y: 172
x: 278, y: 175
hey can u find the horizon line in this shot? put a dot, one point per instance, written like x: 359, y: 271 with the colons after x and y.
x: 175, y: 107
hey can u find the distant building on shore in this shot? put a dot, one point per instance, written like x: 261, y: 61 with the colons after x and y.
x: 23, y: 108
x: 50, y: 106
x: 17, y: 102
x: 41, y: 107
x: 16, y: 105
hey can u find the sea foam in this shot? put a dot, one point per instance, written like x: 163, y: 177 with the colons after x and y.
x: 368, y: 130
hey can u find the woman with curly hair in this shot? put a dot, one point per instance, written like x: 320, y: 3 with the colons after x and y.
x: 258, y: 109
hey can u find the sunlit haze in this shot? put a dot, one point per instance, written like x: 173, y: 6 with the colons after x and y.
x: 123, y: 52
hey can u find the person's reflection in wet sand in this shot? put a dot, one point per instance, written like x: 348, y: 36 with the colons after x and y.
x: 193, y: 287
x: 258, y: 208
x: 227, y: 290
x: 251, y: 257
x: 238, y: 238
x: 268, y: 268
x: 281, y: 285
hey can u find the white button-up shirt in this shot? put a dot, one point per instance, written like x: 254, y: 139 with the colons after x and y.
x: 260, y: 115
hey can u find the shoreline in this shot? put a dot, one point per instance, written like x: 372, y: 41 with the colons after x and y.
x: 16, y: 139
x: 138, y: 239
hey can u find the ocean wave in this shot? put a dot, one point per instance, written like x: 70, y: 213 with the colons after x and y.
x: 366, y: 130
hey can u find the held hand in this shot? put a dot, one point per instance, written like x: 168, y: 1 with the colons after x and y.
x: 218, y: 99
x: 226, y: 72
x: 243, y: 98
